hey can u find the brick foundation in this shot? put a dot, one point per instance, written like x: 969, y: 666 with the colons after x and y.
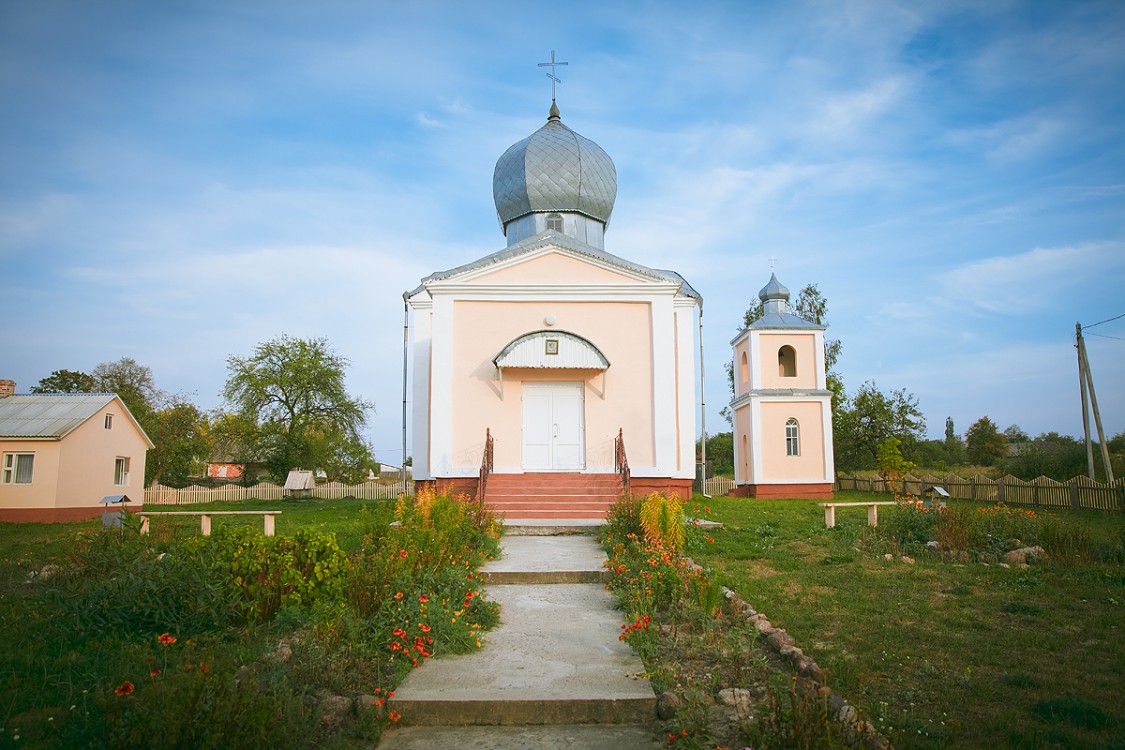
x: 783, y: 491
x: 56, y: 515
x: 448, y: 486
x: 641, y: 486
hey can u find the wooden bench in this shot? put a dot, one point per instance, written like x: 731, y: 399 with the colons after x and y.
x: 205, y: 517
x: 872, y: 511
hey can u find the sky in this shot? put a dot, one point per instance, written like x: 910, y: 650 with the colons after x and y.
x: 181, y: 181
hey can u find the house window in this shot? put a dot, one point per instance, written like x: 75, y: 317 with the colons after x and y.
x: 745, y: 372
x: 792, y: 438
x: 787, y: 362
x: 17, y: 468
x: 121, y: 472
x: 109, y: 421
x: 554, y: 222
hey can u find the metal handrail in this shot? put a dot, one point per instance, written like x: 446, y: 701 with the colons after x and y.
x: 485, y: 466
x: 620, y: 460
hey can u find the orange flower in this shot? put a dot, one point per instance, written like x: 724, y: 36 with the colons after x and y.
x: 402, y: 553
x: 154, y: 673
x: 166, y: 639
x: 398, y: 595
x: 125, y: 688
x: 424, y: 628
x: 423, y: 598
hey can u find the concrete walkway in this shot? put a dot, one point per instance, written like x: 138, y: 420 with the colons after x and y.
x: 553, y: 674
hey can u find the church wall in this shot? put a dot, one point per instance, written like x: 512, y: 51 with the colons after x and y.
x: 805, y: 345
x: 742, y: 366
x: 743, y: 448
x: 621, y: 330
x: 776, y: 465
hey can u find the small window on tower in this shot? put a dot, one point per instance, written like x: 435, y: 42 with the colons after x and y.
x: 554, y: 222
x: 109, y: 421
x: 745, y: 370
x: 792, y: 438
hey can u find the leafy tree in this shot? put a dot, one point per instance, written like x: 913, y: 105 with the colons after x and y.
x: 890, y: 461
x: 293, y: 391
x: 133, y: 383
x: 179, y: 432
x: 864, y: 422
x: 720, y: 452
x: 66, y: 381
x: 954, y: 448
x: 1014, y: 434
x: 984, y: 444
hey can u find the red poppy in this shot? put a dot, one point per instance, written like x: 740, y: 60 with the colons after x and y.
x: 423, y: 598
x: 402, y: 553
x: 424, y: 628
x: 166, y: 639
x: 398, y: 595
x: 125, y: 688
x: 154, y: 673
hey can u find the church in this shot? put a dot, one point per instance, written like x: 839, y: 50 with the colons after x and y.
x: 553, y: 375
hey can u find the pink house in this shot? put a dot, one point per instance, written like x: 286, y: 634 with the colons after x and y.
x: 556, y: 347
x: 61, y: 453
x: 782, y: 406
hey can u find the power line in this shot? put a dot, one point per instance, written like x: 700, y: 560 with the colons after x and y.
x: 1107, y: 320
x: 1102, y: 335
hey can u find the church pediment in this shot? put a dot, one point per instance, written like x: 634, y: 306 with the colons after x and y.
x: 554, y: 266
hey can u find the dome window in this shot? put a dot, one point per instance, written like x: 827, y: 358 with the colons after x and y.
x: 554, y: 222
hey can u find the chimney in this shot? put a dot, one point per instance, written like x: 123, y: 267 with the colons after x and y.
x: 7, y: 388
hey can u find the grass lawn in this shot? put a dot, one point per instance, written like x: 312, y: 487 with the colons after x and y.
x: 937, y: 654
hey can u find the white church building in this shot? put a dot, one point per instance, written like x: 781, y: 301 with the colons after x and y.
x: 559, y: 351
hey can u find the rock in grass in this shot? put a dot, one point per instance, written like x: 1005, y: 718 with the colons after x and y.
x: 740, y: 698
x: 334, y: 709
x: 668, y: 704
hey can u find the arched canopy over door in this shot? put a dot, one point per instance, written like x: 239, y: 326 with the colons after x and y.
x: 551, y: 350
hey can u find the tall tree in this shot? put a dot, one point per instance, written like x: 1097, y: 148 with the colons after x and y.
x: 66, y: 381
x: 179, y: 432
x: 133, y: 383
x: 984, y: 443
x: 954, y: 448
x: 293, y: 391
x: 866, y: 420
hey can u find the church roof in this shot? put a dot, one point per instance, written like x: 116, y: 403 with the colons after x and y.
x: 775, y: 310
x: 554, y: 169
x: 555, y: 239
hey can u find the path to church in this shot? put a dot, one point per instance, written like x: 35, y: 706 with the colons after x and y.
x: 554, y: 674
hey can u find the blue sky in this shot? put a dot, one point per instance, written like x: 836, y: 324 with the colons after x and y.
x: 184, y: 180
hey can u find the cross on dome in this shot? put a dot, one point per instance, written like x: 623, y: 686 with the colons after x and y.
x: 551, y: 75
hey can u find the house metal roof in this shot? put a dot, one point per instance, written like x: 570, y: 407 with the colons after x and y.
x: 53, y: 416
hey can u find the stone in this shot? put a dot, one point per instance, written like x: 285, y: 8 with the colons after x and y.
x: 907, y: 560
x: 806, y: 667
x: 748, y: 611
x: 763, y: 625
x: 284, y: 652
x: 668, y: 704
x: 740, y: 698
x: 986, y: 558
x: 1011, y: 544
x: 365, y: 707
x: 1004, y: 565
x: 933, y: 546
x: 845, y: 714
x: 888, y: 556
x: 334, y: 709
x: 779, y: 639
x: 49, y: 571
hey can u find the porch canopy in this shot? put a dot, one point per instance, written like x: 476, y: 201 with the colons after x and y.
x: 550, y: 350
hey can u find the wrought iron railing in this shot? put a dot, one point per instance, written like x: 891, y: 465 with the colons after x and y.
x: 485, y: 466
x: 620, y: 460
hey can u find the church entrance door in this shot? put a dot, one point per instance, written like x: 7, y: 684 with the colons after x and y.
x: 553, y: 427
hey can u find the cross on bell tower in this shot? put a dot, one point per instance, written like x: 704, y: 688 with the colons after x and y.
x: 554, y: 79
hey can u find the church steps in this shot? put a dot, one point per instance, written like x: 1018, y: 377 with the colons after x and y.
x: 552, y: 495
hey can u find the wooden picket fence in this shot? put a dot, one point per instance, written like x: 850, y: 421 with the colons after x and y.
x: 718, y: 486
x: 161, y: 495
x: 1078, y: 493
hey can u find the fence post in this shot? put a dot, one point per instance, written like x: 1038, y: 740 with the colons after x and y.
x: 1000, y: 490
x: 973, y: 488
x: 1074, y: 500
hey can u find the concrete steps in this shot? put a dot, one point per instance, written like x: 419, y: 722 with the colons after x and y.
x: 554, y: 670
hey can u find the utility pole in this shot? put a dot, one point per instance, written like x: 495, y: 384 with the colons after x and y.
x: 1086, y: 380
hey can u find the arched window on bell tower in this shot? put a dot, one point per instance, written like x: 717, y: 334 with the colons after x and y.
x: 744, y: 369
x: 787, y: 362
x: 792, y: 437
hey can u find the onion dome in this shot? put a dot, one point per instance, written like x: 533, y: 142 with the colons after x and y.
x: 773, y: 291
x: 554, y: 170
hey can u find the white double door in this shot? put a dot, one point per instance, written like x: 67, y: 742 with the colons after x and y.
x: 553, y: 427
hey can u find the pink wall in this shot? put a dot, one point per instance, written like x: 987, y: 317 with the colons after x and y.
x: 482, y: 328
x: 805, y: 346
x: 778, y: 467
x: 550, y: 268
